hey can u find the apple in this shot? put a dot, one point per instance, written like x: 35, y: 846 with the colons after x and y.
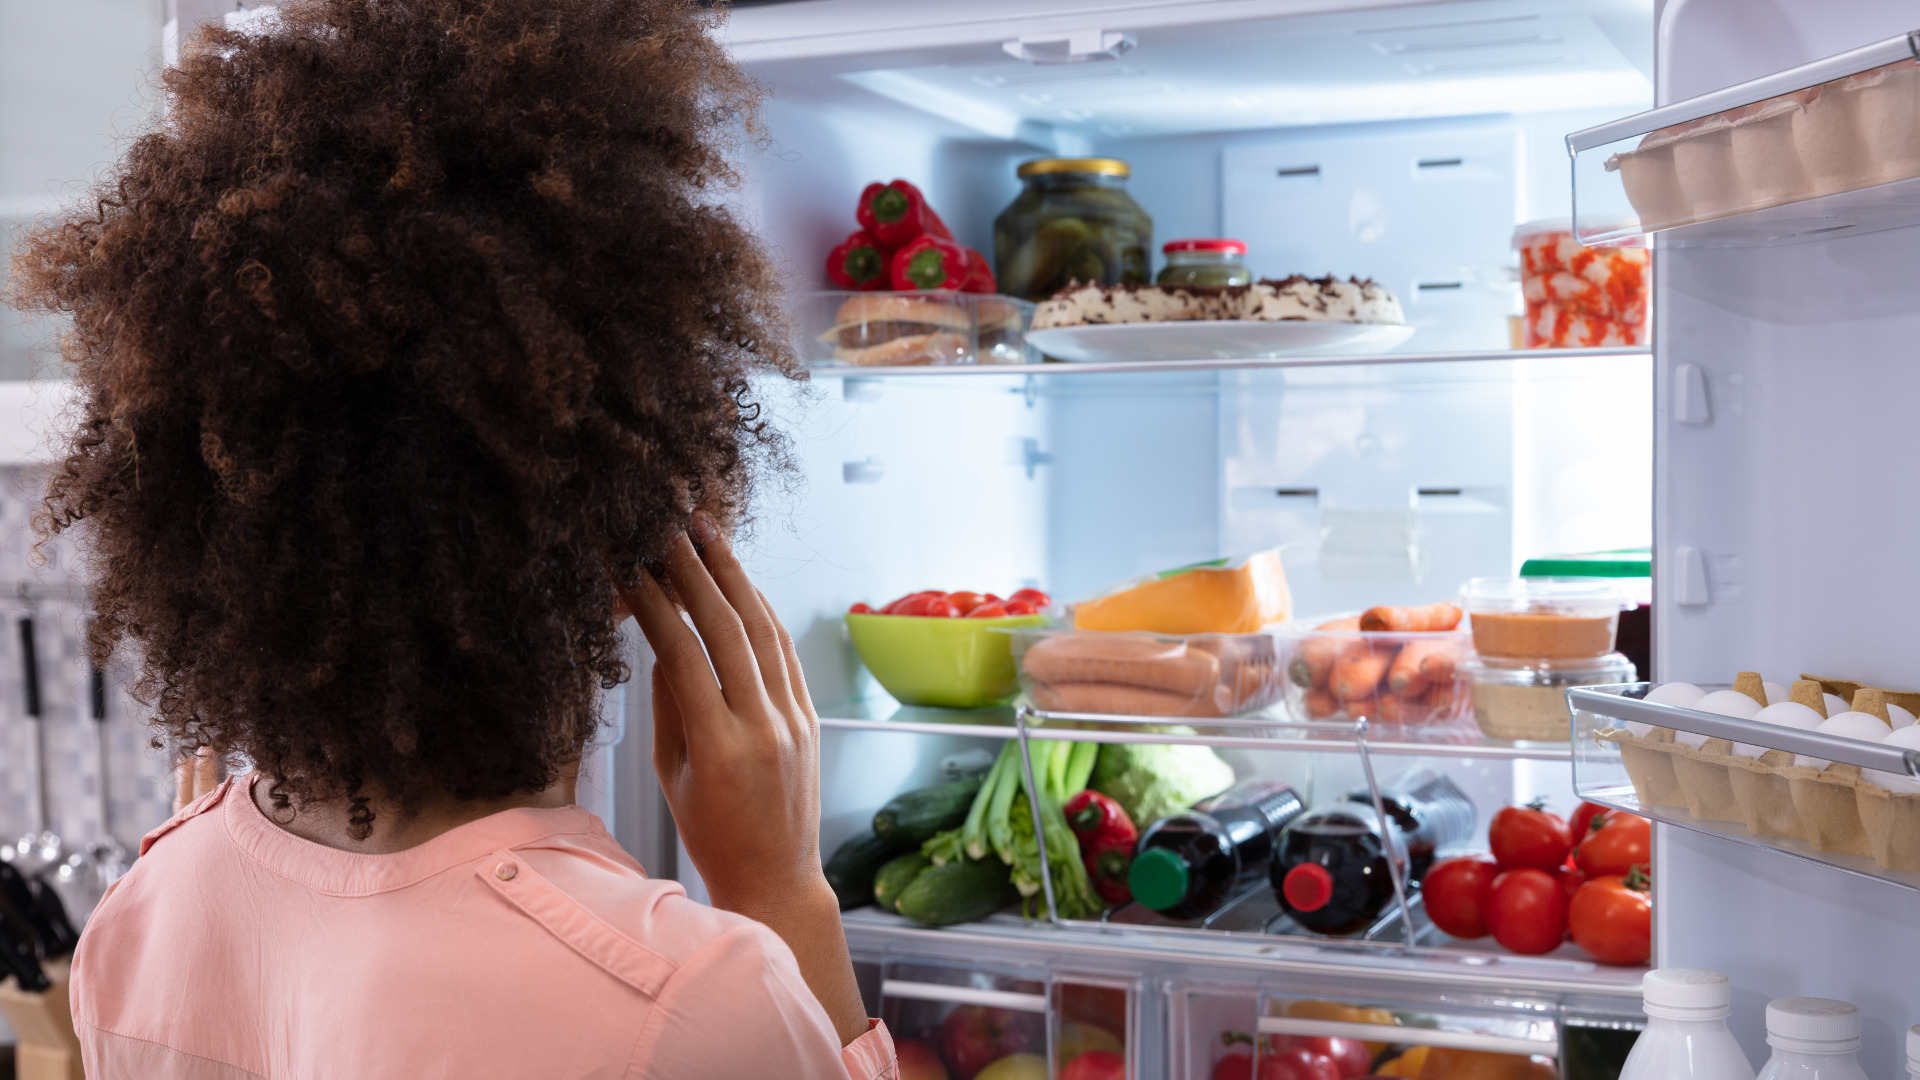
x: 1016, y: 1067
x: 1298, y: 1063
x: 1096, y: 1065
x: 971, y: 1036
x: 1350, y: 1056
x: 918, y: 1061
x: 1076, y: 1039
x: 1234, y: 1067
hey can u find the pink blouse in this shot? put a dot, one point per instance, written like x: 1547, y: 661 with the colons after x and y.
x: 525, y: 944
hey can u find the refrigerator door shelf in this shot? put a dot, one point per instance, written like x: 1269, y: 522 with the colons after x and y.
x: 1631, y: 755
x: 1824, y: 149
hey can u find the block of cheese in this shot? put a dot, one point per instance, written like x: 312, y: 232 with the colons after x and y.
x: 1228, y: 597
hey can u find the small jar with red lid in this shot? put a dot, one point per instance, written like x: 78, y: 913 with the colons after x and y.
x: 1211, y: 261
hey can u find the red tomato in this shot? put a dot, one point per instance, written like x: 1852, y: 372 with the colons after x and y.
x: 1035, y: 596
x: 1584, y: 817
x: 1622, y: 842
x: 966, y: 601
x: 1571, y: 877
x: 1350, y: 1056
x: 1527, y: 911
x: 1234, y: 1067
x: 1298, y: 1064
x: 1455, y: 895
x: 996, y: 609
x: 860, y: 609
x: 1096, y: 1065
x: 1017, y: 606
x: 1612, y: 918
x: 893, y: 607
x: 1527, y: 837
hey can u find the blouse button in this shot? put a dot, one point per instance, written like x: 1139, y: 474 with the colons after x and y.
x: 506, y: 871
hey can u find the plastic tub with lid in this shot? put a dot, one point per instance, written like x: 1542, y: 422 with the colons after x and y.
x: 1633, y: 569
x: 1579, y: 296
x: 1526, y: 700
x: 1546, y: 618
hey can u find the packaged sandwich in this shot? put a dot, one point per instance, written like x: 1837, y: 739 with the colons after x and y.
x: 901, y: 329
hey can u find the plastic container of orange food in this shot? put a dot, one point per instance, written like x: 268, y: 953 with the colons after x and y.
x: 1410, y: 679
x: 1578, y: 296
x: 1548, y: 618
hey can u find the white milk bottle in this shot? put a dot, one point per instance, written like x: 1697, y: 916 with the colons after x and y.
x: 1686, y: 1036
x: 1812, y: 1039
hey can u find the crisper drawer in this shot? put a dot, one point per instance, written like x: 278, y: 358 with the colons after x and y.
x: 1222, y: 1033
x: 1008, y: 1023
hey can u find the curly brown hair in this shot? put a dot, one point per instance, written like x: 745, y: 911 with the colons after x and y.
x: 411, y: 327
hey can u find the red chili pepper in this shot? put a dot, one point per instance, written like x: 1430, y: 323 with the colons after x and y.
x: 1106, y: 836
x: 979, y: 277
x: 929, y: 263
x: 859, y: 262
x: 896, y: 213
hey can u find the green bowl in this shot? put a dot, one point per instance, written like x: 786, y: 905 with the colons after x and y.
x: 927, y: 660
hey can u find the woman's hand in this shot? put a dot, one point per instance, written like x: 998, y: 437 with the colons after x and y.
x: 736, y: 745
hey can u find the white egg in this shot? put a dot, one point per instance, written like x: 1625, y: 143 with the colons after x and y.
x: 1790, y: 714
x: 1906, y: 738
x: 1680, y: 695
x: 1725, y: 702
x: 1865, y: 727
x: 1836, y: 704
x: 1775, y: 693
x: 1900, y: 717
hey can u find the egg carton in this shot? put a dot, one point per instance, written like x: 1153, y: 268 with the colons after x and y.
x: 1838, y: 790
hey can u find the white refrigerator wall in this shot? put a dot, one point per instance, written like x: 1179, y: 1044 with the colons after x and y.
x: 1800, y: 497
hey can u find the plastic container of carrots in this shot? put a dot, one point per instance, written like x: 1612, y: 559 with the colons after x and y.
x: 1397, y: 679
x: 1138, y: 673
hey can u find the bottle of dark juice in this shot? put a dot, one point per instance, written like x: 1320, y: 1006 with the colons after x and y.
x: 1188, y: 865
x: 1330, y: 869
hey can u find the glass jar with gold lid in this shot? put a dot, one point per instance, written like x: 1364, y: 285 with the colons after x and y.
x: 1072, y: 221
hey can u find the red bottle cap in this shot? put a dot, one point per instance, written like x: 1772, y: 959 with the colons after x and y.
x: 1231, y: 247
x: 1308, y: 887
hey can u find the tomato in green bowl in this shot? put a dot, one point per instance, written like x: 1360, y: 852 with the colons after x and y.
x: 929, y: 660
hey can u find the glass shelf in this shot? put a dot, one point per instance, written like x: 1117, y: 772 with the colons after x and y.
x: 969, y: 372
x: 1633, y: 755
x: 1826, y: 148
x: 1263, y: 731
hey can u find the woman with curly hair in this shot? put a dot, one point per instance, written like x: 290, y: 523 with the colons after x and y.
x: 414, y: 349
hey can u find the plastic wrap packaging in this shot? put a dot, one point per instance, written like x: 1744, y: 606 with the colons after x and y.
x: 909, y: 329
x: 1149, y: 674
x: 1578, y: 296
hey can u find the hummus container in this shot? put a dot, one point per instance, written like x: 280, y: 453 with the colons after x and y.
x: 1527, y: 700
x: 1544, y: 618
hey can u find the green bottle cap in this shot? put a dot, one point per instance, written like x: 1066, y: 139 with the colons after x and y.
x: 1158, y: 878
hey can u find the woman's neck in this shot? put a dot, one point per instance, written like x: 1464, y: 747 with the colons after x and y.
x: 330, y: 823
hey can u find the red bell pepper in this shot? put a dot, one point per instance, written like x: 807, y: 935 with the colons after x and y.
x: 859, y: 262
x: 979, y: 277
x: 1106, y: 836
x: 929, y: 263
x: 896, y: 214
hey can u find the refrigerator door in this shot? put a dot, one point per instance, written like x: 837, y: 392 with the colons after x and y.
x: 1783, y: 510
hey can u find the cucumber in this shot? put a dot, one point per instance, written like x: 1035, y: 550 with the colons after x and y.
x: 894, y: 877
x: 914, y: 816
x: 850, y: 871
x: 957, y: 892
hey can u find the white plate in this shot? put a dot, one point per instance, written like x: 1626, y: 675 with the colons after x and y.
x: 1213, y: 339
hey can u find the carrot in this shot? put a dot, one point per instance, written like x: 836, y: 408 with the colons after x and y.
x: 1358, y: 671
x: 1394, y: 711
x: 1441, y: 616
x: 1310, y: 665
x: 1420, y: 665
x: 1320, y: 704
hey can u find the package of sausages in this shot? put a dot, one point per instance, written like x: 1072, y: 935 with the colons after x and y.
x: 1398, y: 667
x: 1149, y: 674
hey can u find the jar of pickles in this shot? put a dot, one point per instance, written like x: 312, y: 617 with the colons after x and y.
x: 1205, y: 262
x: 1072, y: 221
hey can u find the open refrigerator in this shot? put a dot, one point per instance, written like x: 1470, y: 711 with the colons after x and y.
x: 1758, y: 447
